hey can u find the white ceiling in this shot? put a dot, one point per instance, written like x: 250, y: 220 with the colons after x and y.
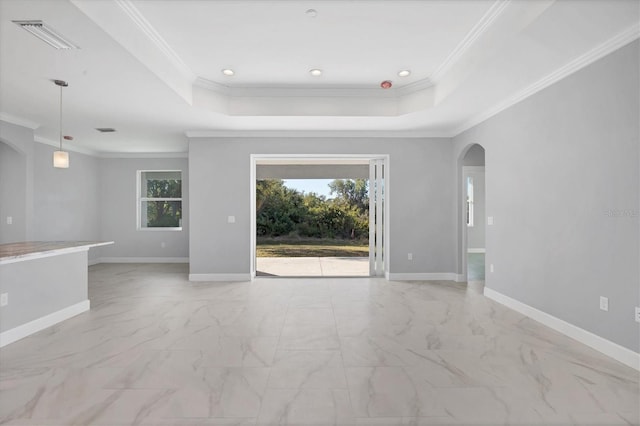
x: 151, y: 69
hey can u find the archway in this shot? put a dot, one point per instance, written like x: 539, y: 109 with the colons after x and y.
x: 472, y: 213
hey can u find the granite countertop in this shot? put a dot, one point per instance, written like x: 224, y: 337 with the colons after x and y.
x: 33, y: 249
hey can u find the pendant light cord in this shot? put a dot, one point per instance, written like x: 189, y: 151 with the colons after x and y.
x: 60, y: 118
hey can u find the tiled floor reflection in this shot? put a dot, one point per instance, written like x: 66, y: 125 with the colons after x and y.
x: 156, y: 349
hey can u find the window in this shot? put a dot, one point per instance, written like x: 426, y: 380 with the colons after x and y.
x: 160, y: 199
x: 469, y: 201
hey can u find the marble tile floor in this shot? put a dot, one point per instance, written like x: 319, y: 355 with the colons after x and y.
x: 156, y: 349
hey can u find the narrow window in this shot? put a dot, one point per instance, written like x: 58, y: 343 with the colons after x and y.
x: 160, y: 199
x: 469, y: 201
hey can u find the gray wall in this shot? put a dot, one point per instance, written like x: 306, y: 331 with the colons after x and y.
x: 562, y: 185
x: 57, y: 204
x: 66, y: 200
x: 117, y: 188
x: 13, y: 203
x: 421, y: 199
x: 19, y: 139
x: 94, y: 199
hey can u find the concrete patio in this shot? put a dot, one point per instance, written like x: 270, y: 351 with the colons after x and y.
x: 313, y: 266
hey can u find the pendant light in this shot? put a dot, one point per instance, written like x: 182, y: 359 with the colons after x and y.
x: 60, y: 157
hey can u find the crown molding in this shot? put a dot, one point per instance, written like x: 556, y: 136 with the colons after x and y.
x: 622, y: 39
x: 67, y: 147
x: 18, y: 121
x: 195, y: 134
x: 212, y: 85
x: 480, y: 28
x: 416, y: 86
x: 148, y: 30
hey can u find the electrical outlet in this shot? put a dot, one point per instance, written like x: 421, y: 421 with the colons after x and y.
x: 637, y: 314
x: 604, y: 303
x: 491, y: 268
x: 410, y: 256
x: 4, y: 299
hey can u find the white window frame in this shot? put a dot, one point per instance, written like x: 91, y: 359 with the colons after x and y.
x: 470, y: 213
x: 140, y: 199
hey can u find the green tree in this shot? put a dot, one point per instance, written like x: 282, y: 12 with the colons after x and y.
x: 284, y: 211
x: 164, y: 213
x: 279, y: 209
x: 355, y: 192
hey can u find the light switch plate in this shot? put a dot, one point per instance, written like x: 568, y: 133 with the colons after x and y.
x: 9, y: 220
x: 4, y: 299
x: 637, y: 313
x: 231, y: 219
x: 490, y: 220
x: 604, y: 303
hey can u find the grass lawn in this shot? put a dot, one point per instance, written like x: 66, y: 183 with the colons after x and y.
x: 276, y: 247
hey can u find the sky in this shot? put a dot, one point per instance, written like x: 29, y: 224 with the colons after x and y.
x: 319, y: 186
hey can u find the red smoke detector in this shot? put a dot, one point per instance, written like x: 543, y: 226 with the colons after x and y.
x: 386, y: 84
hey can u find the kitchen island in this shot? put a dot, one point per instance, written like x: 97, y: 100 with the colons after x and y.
x: 41, y: 284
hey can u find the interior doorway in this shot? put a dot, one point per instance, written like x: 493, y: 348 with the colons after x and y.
x: 474, y: 213
x: 298, y: 232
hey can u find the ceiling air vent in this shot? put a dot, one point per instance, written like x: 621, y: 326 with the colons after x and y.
x: 46, y: 34
x: 105, y: 129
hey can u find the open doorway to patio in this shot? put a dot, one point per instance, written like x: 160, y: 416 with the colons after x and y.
x: 314, y: 217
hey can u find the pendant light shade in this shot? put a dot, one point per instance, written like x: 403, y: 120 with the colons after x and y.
x: 60, y: 157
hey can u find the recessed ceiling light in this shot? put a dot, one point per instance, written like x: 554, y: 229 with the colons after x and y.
x: 228, y: 72
x: 311, y: 13
x: 404, y: 73
x: 315, y: 72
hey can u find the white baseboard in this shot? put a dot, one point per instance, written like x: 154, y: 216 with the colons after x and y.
x: 423, y: 276
x: 607, y: 347
x: 24, y: 330
x: 220, y: 277
x: 476, y: 250
x: 139, y: 260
